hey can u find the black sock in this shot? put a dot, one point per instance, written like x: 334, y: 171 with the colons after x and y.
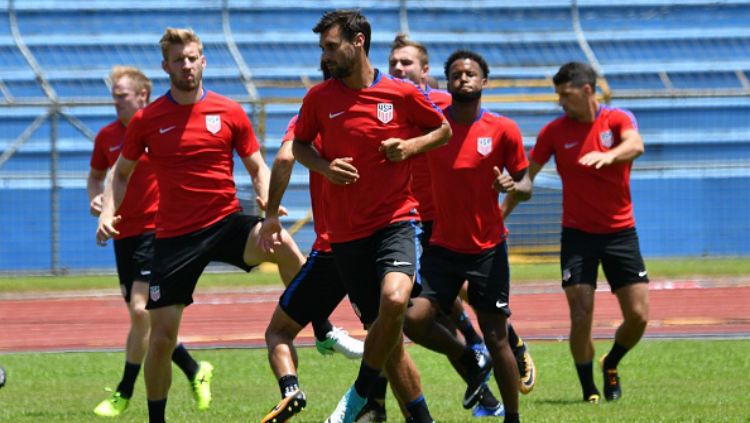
x: 185, y: 361
x: 365, y: 379
x: 467, y: 329
x: 512, y: 417
x: 487, y: 399
x: 156, y: 410
x: 586, y: 376
x: 378, y: 388
x: 129, y: 375
x: 513, y: 338
x: 288, y: 384
x: 614, y: 356
x: 468, y: 359
x: 321, y: 329
x: 418, y: 411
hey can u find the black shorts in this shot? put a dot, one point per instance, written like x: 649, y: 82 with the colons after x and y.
x: 179, y: 261
x: 619, y: 253
x: 444, y: 272
x: 424, y: 239
x: 134, y: 256
x: 315, y: 291
x: 363, y: 263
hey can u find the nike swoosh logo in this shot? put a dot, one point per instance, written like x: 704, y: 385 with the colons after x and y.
x: 501, y: 305
x: 570, y: 145
x: 333, y: 115
x: 642, y: 274
x: 401, y: 263
x: 115, y: 148
x: 165, y: 130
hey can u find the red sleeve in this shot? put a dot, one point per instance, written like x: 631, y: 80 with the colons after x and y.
x: 98, y: 158
x: 622, y: 120
x: 423, y: 113
x: 244, y: 140
x: 307, y: 126
x: 134, y: 141
x: 514, y: 154
x: 544, y: 147
x: 289, y: 134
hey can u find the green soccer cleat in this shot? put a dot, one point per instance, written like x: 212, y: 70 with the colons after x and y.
x: 338, y: 340
x: 112, y: 406
x: 202, y: 385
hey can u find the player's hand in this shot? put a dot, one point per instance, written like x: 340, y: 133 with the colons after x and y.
x: 597, y: 159
x: 503, y: 182
x: 341, y: 171
x: 395, y: 149
x: 95, y: 206
x: 262, y: 205
x: 270, y: 234
x: 106, y: 228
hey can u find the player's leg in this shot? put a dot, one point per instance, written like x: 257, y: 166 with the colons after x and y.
x: 624, y: 268
x: 165, y: 324
x: 286, y: 255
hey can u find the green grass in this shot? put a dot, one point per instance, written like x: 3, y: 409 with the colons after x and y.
x: 520, y: 273
x: 663, y: 381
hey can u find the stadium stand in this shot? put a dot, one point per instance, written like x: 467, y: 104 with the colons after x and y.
x: 681, y: 66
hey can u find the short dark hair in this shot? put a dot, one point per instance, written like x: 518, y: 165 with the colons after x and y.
x: 350, y: 21
x: 466, y: 54
x: 577, y: 73
x: 402, y: 40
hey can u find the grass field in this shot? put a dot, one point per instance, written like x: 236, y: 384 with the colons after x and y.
x: 663, y: 381
x: 520, y: 273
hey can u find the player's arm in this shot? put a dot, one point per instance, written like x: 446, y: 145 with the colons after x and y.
x: 339, y: 171
x: 511, y: 201
x: 281, y: 173
x: 259, y: 175
x: 396, y: 149
x: 95, y: 189
x: 114, y: 193
x: 630, y: 147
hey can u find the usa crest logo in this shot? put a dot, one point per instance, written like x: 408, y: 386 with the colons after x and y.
x: 385, y: 112
x: 213, y: 123
x: 606, y: 138
x: 154, y: 292
x: 484, y: 145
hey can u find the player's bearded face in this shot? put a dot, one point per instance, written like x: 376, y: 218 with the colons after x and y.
x: 466, y: 80
x: 339, y: 55
x: 185, y: 66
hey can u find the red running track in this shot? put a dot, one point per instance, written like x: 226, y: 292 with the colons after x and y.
x: 76, y: 322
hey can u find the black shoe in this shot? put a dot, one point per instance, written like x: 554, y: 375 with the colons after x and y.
x: 612, y: 390
x: 477, y: 377
x: 286, y: 408
x: 371, y: 412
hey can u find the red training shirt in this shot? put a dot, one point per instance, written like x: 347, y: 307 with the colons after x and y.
x: 352, y: 123
x: 138, y: 208
x: 316, y: 195
x: 468, y: 217
x: 191, y: 149
x: 420, y: 170
x: 594, y: 200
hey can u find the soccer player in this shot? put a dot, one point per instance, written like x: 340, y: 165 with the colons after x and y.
x: 190, y: 135
x: 131, y: 90
x: 468, y: 240
x: 365, y: 120
x: 410, y: 60
x: 312, y: 296
x: 594, y: 148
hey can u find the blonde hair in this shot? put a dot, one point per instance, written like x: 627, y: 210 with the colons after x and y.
x: 182, y: 36
x: 402, y: 40
x: 139, y: 80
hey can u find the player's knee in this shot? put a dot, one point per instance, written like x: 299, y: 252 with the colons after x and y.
x: 140, y: 318
x: 393, y: 302
x: 581, y: 314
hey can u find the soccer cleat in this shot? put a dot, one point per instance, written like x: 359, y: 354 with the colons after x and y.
x: 112, y: 406
x: 372, y: 412
x: 477, y: 378
x: 287, y: 408
x: 482, y: 411
x: 339, y: 340
x: 612, y: 390
x: 348, y: 407
x: 592, y: 398
x: 202, y: 385
x: 2, y: 376
x: 526, y: 368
